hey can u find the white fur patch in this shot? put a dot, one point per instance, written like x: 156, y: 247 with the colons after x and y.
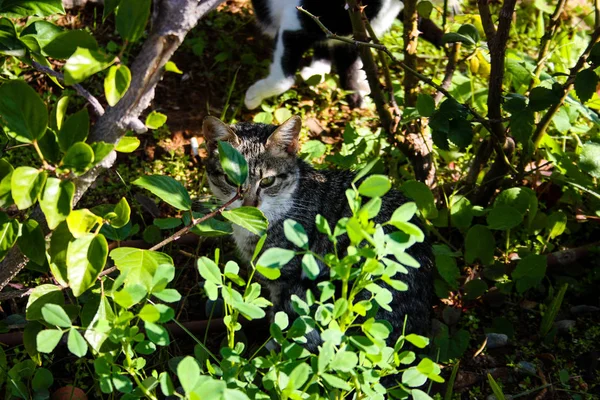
x: 317, y: 67
x: 386, y: 16
x: 285, y: 17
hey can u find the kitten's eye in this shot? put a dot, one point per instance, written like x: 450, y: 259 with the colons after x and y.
x: 266, y: 182
x: 229, y: 181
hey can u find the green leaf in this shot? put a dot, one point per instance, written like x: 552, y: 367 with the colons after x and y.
x: 424, y: 9
x: 589, y: 159
x: 139, y: 265
x: 32, y: 241
x: 275, y: 257
x: 167, y: 189
x: 76, y: 343
x: 188, y: 372
x: 128, y: 144
x: 43, y: 31
x: 42, y: 380
x: 79, y: 157
x: 54, y: 314
x: 41, y: 295
x: 335, y: 382
x: 23, y: 111
x: 131, y: 19
x: 295, y: 233
x: 97, y: 337
x: 420, y: 341
x: 10, y: 45
x: 6, y: 171
x: 155, y: 120
x: 422, y: 195
x: 495, y: 388
x: 149, y: 313
x: 48, y: 339
x: 81, y: 222
x: 425, y: 103
x: 310, y: 267
x: 209, y: 270
x: 75, y: 129
x: 26, y: 185
x: 556, y: 224
x: 233, y: 163
x: 249, y: 218
x: 109, y: 7
x: 375, y: 186
x: 65, y: 44
x: 9, y: 232
x: 585, y: 84
x: 123, y: 213
x: 22, y: 8
x: 345, y: 361
x: 116, y: 83
x: 86, y: 257
x: 404, y: 213
x: 48, y: 145
x: 475, y: 288
x: 56, y: 201
x: 448, y: 269
x: 529, y: 272
x: 541, y: 98
x: 453, y: 37
x: 269, y: 273
x: 170, y: 66
x: 504, y: 218
x: 85, y: 63
x: 282, y: 115
x: 157, y: 334
x: 130, y: 295
x: 479, y: 244
x: 168, y: 295
x: 263, y: 117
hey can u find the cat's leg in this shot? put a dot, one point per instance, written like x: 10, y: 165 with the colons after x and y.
x: 352, y: 76
x: 320, y: 64
x: 290, y: 45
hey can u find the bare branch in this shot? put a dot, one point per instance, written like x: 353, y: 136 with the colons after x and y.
x: 486, y: 19
x: 96, y: 106
x: 450, y: 69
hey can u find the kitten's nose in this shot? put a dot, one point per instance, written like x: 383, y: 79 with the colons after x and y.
x: 251, y: 201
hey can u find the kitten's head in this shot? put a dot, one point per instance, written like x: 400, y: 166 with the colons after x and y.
x: 270, y: 152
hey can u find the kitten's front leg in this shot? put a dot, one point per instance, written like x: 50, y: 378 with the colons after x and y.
x: 289, y: 48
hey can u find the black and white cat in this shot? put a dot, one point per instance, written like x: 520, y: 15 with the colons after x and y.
x: 295, y: 32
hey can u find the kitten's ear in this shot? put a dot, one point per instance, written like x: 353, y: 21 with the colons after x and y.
x: 286, y: 135
x: 213, y: 130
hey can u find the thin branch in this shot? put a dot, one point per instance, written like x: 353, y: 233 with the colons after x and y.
x: 546, y: 40
x: 544, y: 123
x: 96, y: 106
x: 449, y: 73
x: 184, y: 230
x: 486, y: 19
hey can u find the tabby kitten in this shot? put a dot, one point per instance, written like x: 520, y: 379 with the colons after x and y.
x: 284, y: 187
x: 295, y: 32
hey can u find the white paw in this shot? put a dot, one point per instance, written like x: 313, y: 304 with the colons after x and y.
x: 362, y: 83
x: 318, y: 67
x: 254, y: 95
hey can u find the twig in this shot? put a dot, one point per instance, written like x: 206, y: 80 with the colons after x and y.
x: 449, y: 73
x: 544, y: 123
x: 546, y: 40
x: 183, y: 230
x: 486, y: 19
x: 96, y: 106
